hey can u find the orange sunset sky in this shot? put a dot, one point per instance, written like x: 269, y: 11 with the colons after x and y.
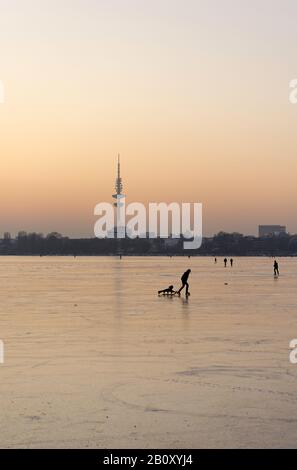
x: 194, y: 95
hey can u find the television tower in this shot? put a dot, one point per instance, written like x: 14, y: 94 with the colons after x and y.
x: 120, y: 228
x: 118, y: 184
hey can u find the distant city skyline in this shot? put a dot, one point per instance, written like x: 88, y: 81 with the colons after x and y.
x: 194, y: 96
x: 263, y: 230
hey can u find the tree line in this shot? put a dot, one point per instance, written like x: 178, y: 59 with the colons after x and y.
x: 221, y: 244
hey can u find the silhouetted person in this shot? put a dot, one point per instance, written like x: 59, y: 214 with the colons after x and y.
x: 184, y: 280
x: 231, y: 262
x: 225, y: 262
x: 169, y: 290
x: 275, y: 268
x: 216, y: 260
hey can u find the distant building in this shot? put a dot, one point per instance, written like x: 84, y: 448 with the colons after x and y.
x: 271, y: 230
x: 171, y: 242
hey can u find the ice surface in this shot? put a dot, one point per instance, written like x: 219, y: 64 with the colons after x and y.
x: 94, y: 358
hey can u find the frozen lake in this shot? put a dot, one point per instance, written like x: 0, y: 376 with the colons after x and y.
x: 94, y: 358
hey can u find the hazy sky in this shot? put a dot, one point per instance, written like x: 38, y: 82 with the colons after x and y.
x: 192, y: 93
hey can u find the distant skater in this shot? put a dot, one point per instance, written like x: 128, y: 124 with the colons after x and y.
x: 275, y: 268
x: 184, y: 280
x: 169, y: 290
x: 231, y: 262
x: 225, y: 262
